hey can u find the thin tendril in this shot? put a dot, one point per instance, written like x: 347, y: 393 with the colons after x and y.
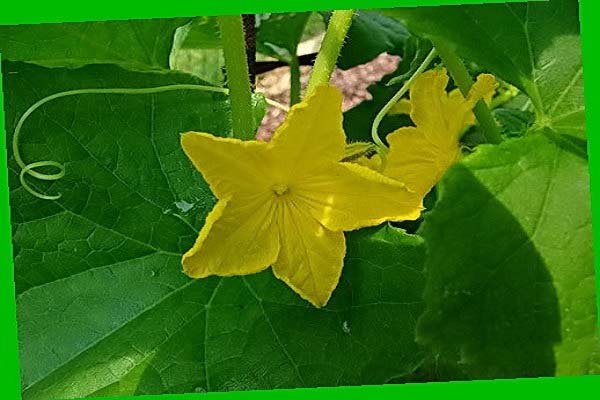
x: 381, y: 147
x: 30, y: 168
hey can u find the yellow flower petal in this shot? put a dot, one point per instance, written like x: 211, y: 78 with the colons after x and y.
x: 311, y: 135
x: 373, y: 162
x: 417, y: 162
x: 419, y: 156
x: 311, y: 257
x: 429, y: 105
x: 442, y: 117
x: 239, y: 237
x: 403, y: 106
x: 228, y: 165
x: 482, y: 89
x: 347, y: 196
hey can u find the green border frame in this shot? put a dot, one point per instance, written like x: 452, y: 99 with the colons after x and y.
x: 589, y: 10
x: 36, y: 11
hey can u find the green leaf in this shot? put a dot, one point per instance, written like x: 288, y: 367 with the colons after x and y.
x: 259, y: 109
x: 129, y: 207
x: 315, y: 26
x: 513, y: 122
x: 533, y: 45
x: 197, y: 50
x: 278, y: 35
x: 103, y: 306
x: 200, y: 33
x: 510, y: 276
x: 135, y: 44
x: 370, y: 35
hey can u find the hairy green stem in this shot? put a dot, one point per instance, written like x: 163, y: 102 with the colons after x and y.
x: 295, y: 87
x: 236, y: 66
x: 339, y: 23
x: 463, y: 80
x: 382, y: 148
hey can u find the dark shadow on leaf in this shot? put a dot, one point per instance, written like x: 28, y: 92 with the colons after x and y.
x: 491, y: 305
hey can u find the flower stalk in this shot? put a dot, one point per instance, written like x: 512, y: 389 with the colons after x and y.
x: 236, y: 65
x: 339, y: 23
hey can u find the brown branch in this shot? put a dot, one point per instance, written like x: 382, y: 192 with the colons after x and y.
x: 265, y: 66
x: 250, y: 37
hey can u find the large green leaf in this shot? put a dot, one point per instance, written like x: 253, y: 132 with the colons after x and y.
x: 134, y: 44
x: 534, y: 45
x: 103, y: 306
x: 510, y: 276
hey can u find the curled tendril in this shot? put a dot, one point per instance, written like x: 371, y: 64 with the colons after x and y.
x: 32, y: 169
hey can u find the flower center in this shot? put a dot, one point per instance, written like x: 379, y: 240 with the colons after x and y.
x: 280, y: 189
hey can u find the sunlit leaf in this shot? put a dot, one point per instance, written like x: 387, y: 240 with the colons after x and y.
x: 135, y: 44
x: 510, y: 276
x: 533, y: 45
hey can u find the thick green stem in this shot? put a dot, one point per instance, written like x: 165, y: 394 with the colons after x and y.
x: 463, y: 80
x: 383, y: 112
x: 236, y: 65
x: 339, y: 23
x: 294, y: 81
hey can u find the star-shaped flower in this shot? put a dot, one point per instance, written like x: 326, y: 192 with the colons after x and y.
x: 420, y: 155
x: 286, y: 203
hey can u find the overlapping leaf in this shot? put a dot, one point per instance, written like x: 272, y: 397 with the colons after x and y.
x: 136, y: 44
x: 510, y: 285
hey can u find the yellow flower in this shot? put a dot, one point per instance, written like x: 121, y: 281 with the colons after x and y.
x: 401, y: 107
x: 373, y: 162
x: 286, y: 203
x: 419, y: 156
